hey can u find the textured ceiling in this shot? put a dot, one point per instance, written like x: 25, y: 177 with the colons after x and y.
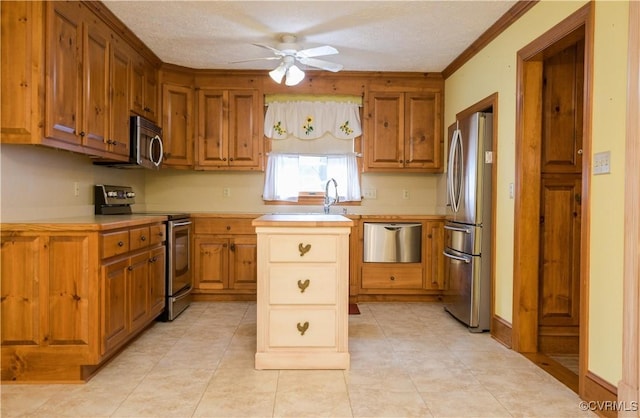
x: 422, y: 36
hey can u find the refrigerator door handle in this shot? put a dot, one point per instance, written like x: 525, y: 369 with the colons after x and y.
x: 454, y: 189
x: 453, y: 228
x: 456, y: 257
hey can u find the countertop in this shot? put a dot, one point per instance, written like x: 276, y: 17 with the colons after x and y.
x: 302, y: 220
x: 83, y: 223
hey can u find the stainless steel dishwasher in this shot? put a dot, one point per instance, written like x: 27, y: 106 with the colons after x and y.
x: 392, y: 242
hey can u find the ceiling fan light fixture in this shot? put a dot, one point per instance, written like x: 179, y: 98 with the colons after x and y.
x: 277, y: 74
x: 294, y: 76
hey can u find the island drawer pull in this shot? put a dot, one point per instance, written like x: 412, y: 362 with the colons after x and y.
x: 303, y: 285
x: 303, y: 328
x: 304, y: 249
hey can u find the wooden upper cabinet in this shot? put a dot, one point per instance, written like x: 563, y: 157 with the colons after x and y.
x: 120, y: 74
x: 228, y: 130
x: 177, y: 125
x: 144, y: 89
x: 64, y: 72
x: 404, y: 132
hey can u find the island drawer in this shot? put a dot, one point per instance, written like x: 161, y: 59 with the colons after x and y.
x: 302, y: 328
x: 296, y: 285
x: 303, y: 248
x: 114, y: 243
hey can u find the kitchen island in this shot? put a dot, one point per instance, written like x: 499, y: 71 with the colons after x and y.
x: 303, y: 291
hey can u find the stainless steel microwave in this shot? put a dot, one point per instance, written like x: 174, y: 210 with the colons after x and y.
x: 145, y: 146
x: 146, y: 143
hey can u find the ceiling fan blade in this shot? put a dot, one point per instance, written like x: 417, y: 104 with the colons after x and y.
x: 256, y: 59
x: 317, y: 52
x: 325, y: 65
x: 270, y: 48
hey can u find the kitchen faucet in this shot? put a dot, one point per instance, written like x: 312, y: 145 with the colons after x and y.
x: 328, y: 201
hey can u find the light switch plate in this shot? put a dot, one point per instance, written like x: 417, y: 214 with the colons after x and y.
x: 602, y: 162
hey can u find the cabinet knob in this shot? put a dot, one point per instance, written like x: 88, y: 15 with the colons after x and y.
x: 147, y: 109
x: 232, y: 247
x: 392, y: 278
x: 143, y: 238
x: 228, y: 227
x: 120, y: 244
x: 130, y: 268
x: 303, y: 328
x: 83, y: 133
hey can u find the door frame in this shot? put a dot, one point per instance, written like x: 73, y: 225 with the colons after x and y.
x: 527, y: 182
x: 629, y: 385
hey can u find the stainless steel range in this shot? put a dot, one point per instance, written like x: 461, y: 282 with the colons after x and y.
x: 117, y: 200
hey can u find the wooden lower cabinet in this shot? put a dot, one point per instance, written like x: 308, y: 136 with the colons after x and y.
x: 403, y: 281
x: 71, y: 299
x: 225, y: 258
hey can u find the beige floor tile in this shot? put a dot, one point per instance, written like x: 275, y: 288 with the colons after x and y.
x: 383, y: 379
x: 238, y: 381
x: 307, y: 402
x: 381, y: 403
x: 248, y: 404
x: 458, y: 404
x: 312, y: 381
x: 445, y: 380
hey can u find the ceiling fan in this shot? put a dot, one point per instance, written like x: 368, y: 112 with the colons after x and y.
x: 288, y: 53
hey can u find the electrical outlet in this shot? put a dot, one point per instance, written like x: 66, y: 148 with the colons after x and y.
x: 370, y: 194
x: 405, y: 194
x: 512, y: 190
x: 226, y: 192
x: 76, y: 189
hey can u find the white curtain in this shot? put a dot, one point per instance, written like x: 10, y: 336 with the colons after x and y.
x: 311, y: 120
x: 282, y: 174
x: 281, y: 178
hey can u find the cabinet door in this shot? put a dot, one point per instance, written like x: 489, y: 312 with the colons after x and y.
x: 115, y: 307
x: 434, y: 246
x: 157, y: 280
x: 423, y: 132
x: 95, y: 66
x: 385, y: 143
x: 119, y: 110
x: 244, y: 144
x: 138, y: 278
x: 151, y: 93
x: 243, y: 262
x: 211, y: 263
x: 63, y: 113
x: 136, y: 95
x: 177, y: 126
x: 212, y: 129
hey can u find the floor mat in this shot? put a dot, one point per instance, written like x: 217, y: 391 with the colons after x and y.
x: 353, y: 309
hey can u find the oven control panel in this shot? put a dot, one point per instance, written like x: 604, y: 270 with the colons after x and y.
x: 107, y: 198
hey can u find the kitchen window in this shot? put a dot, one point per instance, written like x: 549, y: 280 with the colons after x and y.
x: 302, y: 178
x: 313, y: 141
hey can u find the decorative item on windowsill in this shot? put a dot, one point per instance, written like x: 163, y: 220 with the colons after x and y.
x: 288, y: 52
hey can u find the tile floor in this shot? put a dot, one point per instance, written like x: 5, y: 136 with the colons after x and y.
x: 407, y: 360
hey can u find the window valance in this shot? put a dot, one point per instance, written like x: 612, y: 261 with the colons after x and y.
x: 306, y: 119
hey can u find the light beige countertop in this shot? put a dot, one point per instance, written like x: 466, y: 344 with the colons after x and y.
x: 302, y: 220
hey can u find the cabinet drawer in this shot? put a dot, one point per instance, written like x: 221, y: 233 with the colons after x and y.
x: 303, y: 248
x: 302, y: 328
x: 114, y: 243
x: 139, y: 238
x: 157, y: 234
x: 295, y: 285
x: 223, y: 226
x: 376, y: 276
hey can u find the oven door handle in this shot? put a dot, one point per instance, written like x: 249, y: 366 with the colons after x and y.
x: 181, y: 223
x: 456, y: 257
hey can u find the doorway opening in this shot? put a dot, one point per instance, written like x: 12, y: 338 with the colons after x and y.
x: 550, y: 304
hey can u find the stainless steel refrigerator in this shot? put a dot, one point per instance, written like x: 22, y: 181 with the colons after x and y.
x: 468, y: 222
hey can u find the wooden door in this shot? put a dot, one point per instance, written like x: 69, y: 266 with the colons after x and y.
x: 157, y: 280
x: 244, y: 144
x: 562, y: 91
x: 138, y: 278
x: 150, y: 93
x: 423, y: 132
x: 95, y: 66
x: 385, y: 144
x: 136, y: 95
x: 119, y: 74
x: 177, y: 126
x: 115, y: 307
x: 63, y: 114
x: 211, y: 263
x: 243, y: 263
x: 212, y: 129
x: 559, y: 291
